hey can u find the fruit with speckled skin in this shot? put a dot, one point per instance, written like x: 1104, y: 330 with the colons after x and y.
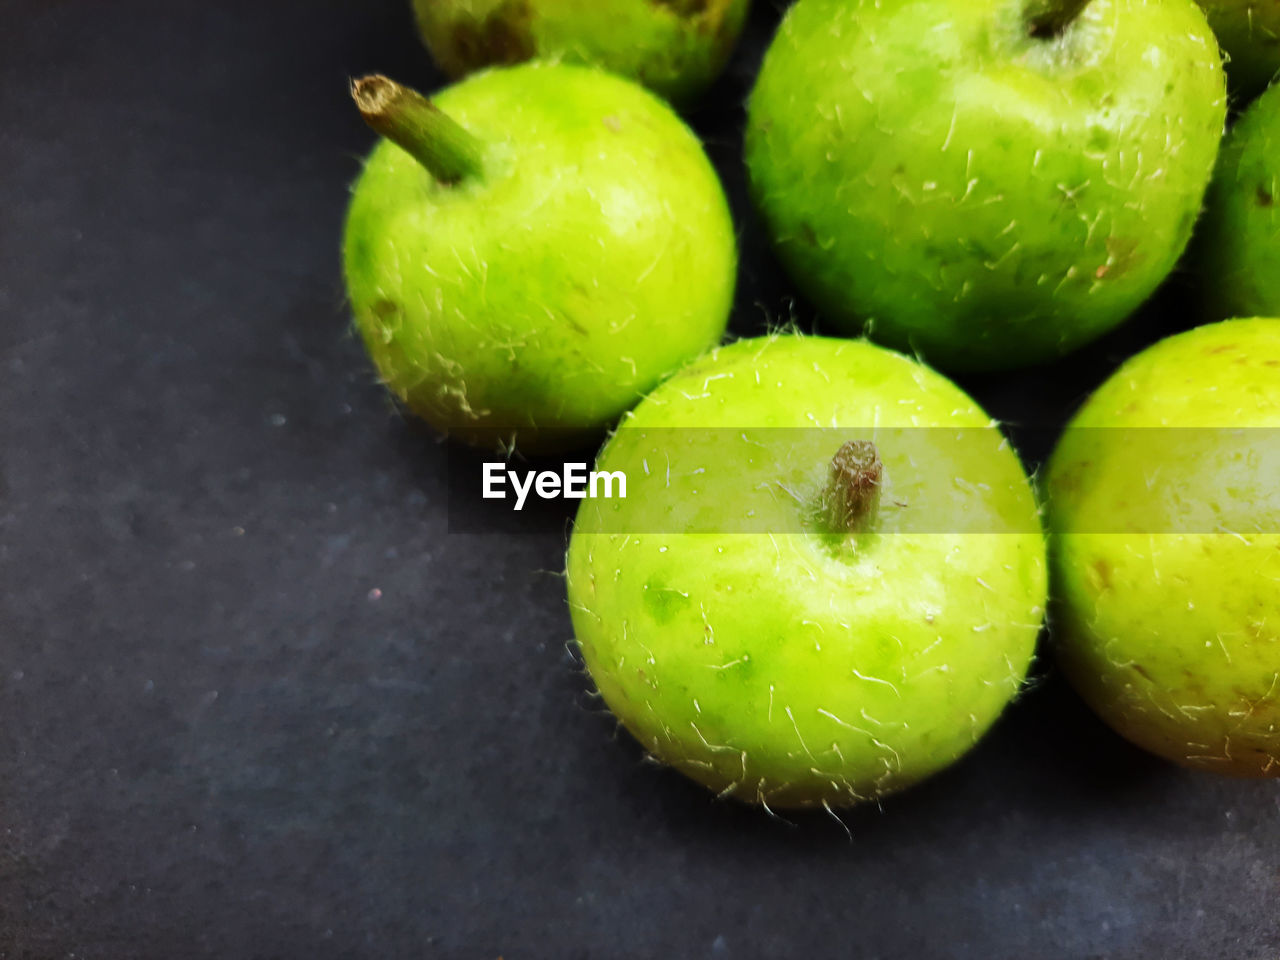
x: 1169, y: 630
x: 590, y: 253
x: 985, y: 187
x: 1239, y: 242
x: 765, y: 652
x: 674, y: 47
x: 1249, y: 33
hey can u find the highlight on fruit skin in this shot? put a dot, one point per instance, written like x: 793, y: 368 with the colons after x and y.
x: 771, y: 610
x: 1238, y: 244
x: 674, y: 47
x: 984, y: 183
x: 1164, y: 516
x: 532, y: 250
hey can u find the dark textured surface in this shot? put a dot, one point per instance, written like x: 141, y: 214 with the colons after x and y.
x: 255, y: 701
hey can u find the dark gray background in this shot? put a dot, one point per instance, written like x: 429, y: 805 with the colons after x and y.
x: 255, y: 701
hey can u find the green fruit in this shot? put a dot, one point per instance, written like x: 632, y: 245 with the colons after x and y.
x: 1169, y: 630
x: 811, y: 595
x: 987, y: 185
x: 675, y: 47
x: 1239, y: 243
x: 538, y: 248
x: 1249, y: 32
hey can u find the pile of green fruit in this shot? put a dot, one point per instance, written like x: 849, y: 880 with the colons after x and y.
x: 830, y: 573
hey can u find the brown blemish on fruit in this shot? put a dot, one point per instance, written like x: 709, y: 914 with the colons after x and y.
x: 684, y: 8
x: 1069, y: 479
x: 807, y: 234
x: 504, y: 36
x: 1102, y: 574
x: 706, y: 15
x: 1122, y: 254
x: 1265, y: 199
x: 1141, y: 671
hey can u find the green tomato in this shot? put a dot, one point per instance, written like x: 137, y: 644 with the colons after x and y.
x: 983, y: 185
x: 752, y: 616
x: 542, y: 259
x: 1169, y: 630
x: 675, y: 47
x: 1239, y: 242
x: 1249, y: 32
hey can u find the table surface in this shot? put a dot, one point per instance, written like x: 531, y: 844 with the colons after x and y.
x: 257, y: 701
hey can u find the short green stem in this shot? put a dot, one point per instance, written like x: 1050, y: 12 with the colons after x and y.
x: 414, y: 123
x: 1047, y: 19
x: 851, y: 499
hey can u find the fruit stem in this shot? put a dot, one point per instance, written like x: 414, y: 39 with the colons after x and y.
x: 851, y: 500
x: 1049, y: 19
x: 415, y: 124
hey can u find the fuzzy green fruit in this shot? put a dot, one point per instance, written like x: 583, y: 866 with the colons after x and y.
x: 675, y: 47
x: 1239, y: 242
x: 987, y: 184
x: 1169, y: 631
x: 1249, y: 33
x: 553, y: 245
x: 781, y: 607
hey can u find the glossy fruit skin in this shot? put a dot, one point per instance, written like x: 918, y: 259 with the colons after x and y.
x: 792, y: 669
x: 1170, y: 633
x: 1238, y: 247
x: 595, y: 255
x: 933, y: 173
x: 674, y: 47
x: 1249, y: 33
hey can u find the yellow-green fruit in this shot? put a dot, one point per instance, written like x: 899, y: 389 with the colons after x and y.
x: 988, y: 183
x: 827, y: 577
x: 556, y: 243
x: 1249, y: 32
x: 1164, y: 511
x: 1238, y: 248
x: 674, y: 47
